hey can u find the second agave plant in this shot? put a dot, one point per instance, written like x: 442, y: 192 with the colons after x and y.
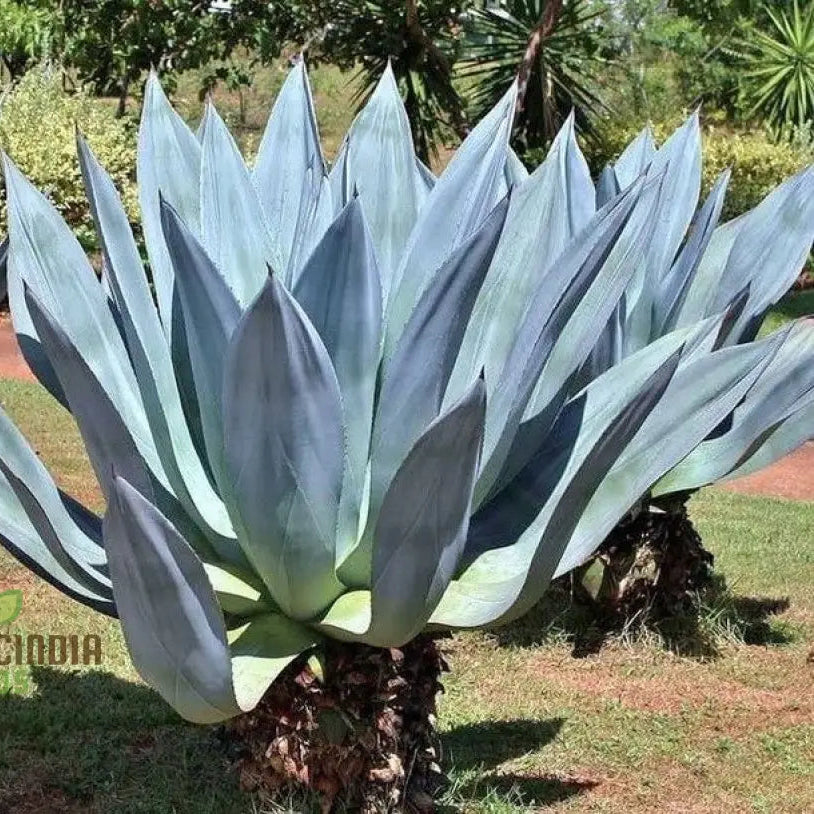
x: 355, y: 418
x: 654, y: 562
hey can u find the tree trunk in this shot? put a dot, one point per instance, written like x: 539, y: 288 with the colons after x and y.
x: 361, y: 736
x: 124, y: 89
x: 651, y: 566
x: 544, y: 28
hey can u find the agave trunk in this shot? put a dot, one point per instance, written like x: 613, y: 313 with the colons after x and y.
x: 651, y: 566
x: 362, y: 736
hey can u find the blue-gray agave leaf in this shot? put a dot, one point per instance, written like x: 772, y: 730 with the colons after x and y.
x: 557, y: 199
x: 284, y: 450
x: 171, y: 620
x: 458, y: 203
x: 512, y: 510
x: 3, y: 266
x: 149, y: 352
x: 785, y: 383
x: 625, y: 254
x: 379, y: 165
x: 699, y: 397
x: 422, y: 527
x: 107, y: 437
x: 780, y: 440
x: 635, y: 159
x: 340, y: 291
x: 767, y: 257
x: 210, y: 314
x: 560, y: 327
x: 511, y: 572
x: 42, y: 248
x: 703, y: 290
x: 234, y: 231
x: 38, y: 525
x: 607, y: 187
x: 289, y: 155
x: 515, y: 171
x: 109, y: 441
x: 676, y: 284
x: 168, y: 166
x: 315, y: 217
x: 74, y: 563
x: 173, y: 624
x: 677, y: 165
x: 27, y: 339
x: 752, y: 250
x: 426, y: 175
x: 412, y: 390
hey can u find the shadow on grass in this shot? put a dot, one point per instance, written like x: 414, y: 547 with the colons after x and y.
x: 487, y: 744
x: 477, y: 750
x: 88, y: 742
x: 718, y: 618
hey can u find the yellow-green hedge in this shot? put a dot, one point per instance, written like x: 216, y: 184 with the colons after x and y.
x: 37, y: 129
x: 758, y: 164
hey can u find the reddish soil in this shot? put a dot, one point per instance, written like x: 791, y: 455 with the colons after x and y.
x: 678, y: 686
x: 12, y: 364
x: 791, y: 478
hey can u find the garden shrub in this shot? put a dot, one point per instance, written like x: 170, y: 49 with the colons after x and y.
x: 38, y: 121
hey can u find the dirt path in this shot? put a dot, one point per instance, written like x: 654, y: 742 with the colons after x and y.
x: 791, y: 478
x: 12, y: 364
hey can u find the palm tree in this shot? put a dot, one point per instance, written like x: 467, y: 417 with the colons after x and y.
x: 552, y: 46
x: 779, y: 82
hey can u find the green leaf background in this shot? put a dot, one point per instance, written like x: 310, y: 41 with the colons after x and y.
x: 11, y: 603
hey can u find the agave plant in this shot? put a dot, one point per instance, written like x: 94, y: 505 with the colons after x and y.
x: 316, y: 446
x: 699, y: 268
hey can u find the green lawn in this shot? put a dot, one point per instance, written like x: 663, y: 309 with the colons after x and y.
x: 527, y: 725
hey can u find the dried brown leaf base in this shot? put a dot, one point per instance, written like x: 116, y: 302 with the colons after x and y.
x: 652, y: 565
x: 362, y: 736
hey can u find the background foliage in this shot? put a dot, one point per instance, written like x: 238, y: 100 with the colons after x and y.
x: 779, y: 77
x: 27, y: 34
x: 633, y: 60
x: 38, y: 122
x: 757, y: 163
x: 557, y: 47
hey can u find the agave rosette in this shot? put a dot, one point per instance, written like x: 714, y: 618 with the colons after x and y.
x: 357, y: 410
x: 745, y: 265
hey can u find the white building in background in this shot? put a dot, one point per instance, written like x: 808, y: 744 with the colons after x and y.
x: 221, y: 5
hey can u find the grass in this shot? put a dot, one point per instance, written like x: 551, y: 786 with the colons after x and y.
x: 526, y: 724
